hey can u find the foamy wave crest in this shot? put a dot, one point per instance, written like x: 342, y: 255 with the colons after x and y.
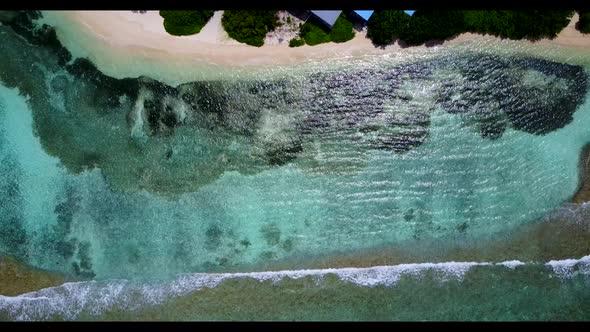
x: 93, y: 298
x: 577, y: 212
x: 512, y: 264
x: 567, y: 268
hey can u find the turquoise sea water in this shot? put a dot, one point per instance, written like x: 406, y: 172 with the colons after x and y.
x: 133, y: 184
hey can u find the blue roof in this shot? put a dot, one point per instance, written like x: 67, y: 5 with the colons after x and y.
x: 367, y: 13
x: 364, y: 13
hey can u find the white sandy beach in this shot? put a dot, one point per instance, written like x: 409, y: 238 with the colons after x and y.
x: 145, y: 32
x: 117, y: 39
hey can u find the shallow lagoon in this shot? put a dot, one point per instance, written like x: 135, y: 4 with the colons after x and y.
x: 138, y: 180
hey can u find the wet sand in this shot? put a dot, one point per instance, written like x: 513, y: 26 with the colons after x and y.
x: 551, y: 239
x: 17, y: 278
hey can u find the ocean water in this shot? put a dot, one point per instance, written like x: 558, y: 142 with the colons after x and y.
x: 168, y: 201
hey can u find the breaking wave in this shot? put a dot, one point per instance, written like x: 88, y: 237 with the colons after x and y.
x: 94, y: 298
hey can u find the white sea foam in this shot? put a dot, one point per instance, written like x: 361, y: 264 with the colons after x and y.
x: 96, y: 297
x: 567, y: 268
x: 512, y: 264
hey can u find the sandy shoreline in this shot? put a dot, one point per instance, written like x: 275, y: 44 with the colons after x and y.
x: 121, y: 29
x: 145, y: 32
x: 127, y: 44
x: 143, y: 35
x: 17, y: 278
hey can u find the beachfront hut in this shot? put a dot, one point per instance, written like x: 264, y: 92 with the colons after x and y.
x: 364, y: 14
x: 327, y: 17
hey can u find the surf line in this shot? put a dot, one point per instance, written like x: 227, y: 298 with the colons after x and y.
x: 97, y: 297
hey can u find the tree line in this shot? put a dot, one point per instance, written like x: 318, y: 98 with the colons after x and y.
x: 386, y: 26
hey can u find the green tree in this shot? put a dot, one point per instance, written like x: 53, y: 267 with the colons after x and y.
x: 385, y: 26
x: 296, y: 42
x: 583, y: 24
x: 518, y: 24
x: 249, y: 26
x: 314, y: 33
x: 185, y: 22
x: 426, y: 25
x: 342, y: 30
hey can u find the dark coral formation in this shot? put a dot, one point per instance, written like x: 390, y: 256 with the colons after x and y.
x: 532, y: 95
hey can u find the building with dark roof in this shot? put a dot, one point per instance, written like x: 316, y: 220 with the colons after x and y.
x: 329, y: 17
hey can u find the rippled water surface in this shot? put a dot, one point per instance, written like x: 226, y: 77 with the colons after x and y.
x: 172, y: 190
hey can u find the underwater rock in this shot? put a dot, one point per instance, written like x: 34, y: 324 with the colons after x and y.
x: 272, y: 234
x: 546, y: 95
x: 537, y: 96
x: 283, y: 154
x: 492, y: 129
x: 214, y: 236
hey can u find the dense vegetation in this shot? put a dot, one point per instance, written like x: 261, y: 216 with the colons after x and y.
x: 427, y: 25
x: 185, y: 22
x: 249, y: 26
x: 518, y: 24
x: 583, y: 24
x: 387, y: 25
x: 315, y: 33
x: 342, y: 30
x: 296, y: 42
